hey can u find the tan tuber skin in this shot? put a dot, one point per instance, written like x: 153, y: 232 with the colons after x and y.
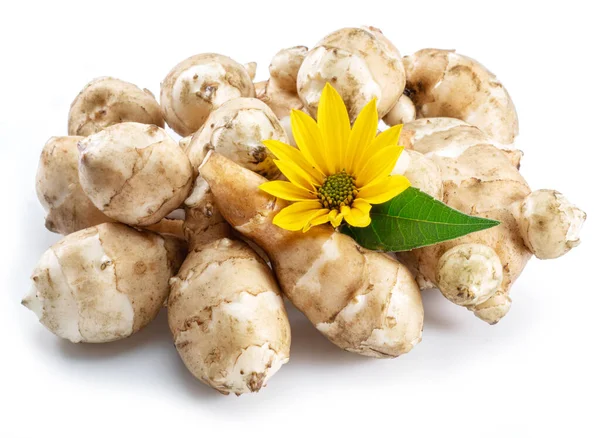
x: 107, y: 101
x: 134, y: 173
x: 103, y: 283
x: 227, y: 317
x: 226, y: 312
x: 237, y: 130
x: 57, y: 185
x: 199, y: 85
x: 373, y: 309
x: 443, y: 83
x: 280, y: 92
x: 360, y: 63
x: 482, y: 180
x: 59, y: 191
x: 403, y: 111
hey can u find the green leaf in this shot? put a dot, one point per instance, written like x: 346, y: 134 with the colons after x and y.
x: 414, y: 219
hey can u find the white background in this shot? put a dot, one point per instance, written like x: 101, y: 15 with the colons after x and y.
x: 533, y: 374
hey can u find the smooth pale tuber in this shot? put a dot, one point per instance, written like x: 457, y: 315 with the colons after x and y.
x: 469, y: 274
x: 280, y: 91
x: 360, y: 63
x: 362, y: 301
x: 550, y: 224
x: 57, y: 185
x: 237, y: 130
x: 107, y: 101
x: 482, y: 180
x: 134, y: 173
x: 403, y: 111
x: 422, y: 172
x: 442, y: 83
x: 227, y: 317
x: 103, y: 283
x: 199, y: 85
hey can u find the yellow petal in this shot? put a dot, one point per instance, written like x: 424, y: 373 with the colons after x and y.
x: 358, y: 214
x: 334, y: 124
x: 362, y: 135
x: 319, y: 220
x: 287, y: 190
x: 309, y: 140
x: 389, y: 137
x: 384, y: 190
x: 335, y: 217
x: 288, y: 153
x: 379, y: 166
x: 296, y: 175
x: 297, y: 215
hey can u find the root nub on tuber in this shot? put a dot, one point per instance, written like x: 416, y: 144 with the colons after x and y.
x: 483, y: 180
x: 103, y: 283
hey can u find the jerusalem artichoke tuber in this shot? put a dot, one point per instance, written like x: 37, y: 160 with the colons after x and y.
x: 442, y: 83
x: 107, y: 101
x: 134, y: 173
x: 360, y: 63
x: 198, y: 85
x: 373, y: 309
x: 57, y: 185
x: 237, y: 130
x: 103, y: 283
x: 481, y: 179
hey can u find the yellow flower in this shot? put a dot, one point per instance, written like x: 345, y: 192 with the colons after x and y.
x: 337, y: 172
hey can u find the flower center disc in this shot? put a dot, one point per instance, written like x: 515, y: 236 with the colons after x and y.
x: 338, y: 190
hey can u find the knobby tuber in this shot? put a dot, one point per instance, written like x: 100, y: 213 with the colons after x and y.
x: 362, y: 301
x: 103, y: 283
x: 481, y: 179
x: 57, y: 185
x: 225, y: 309
x: 280, y: 91
x: 134, y: 173
x: 442, y: 83
x: 198, y: 85
x: 237, y: 130
x: 360, y: 63
x: 107, y: 101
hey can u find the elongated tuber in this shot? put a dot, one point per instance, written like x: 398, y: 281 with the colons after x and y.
x: 198, y: 85
x: 237, y: 130
x: 103, y: 283
x: 57, y: 185
x: 374, y: 308
x: 360, y: 63
x: 481, y: 179
x: 107, y: 101
x: 134, y: 173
